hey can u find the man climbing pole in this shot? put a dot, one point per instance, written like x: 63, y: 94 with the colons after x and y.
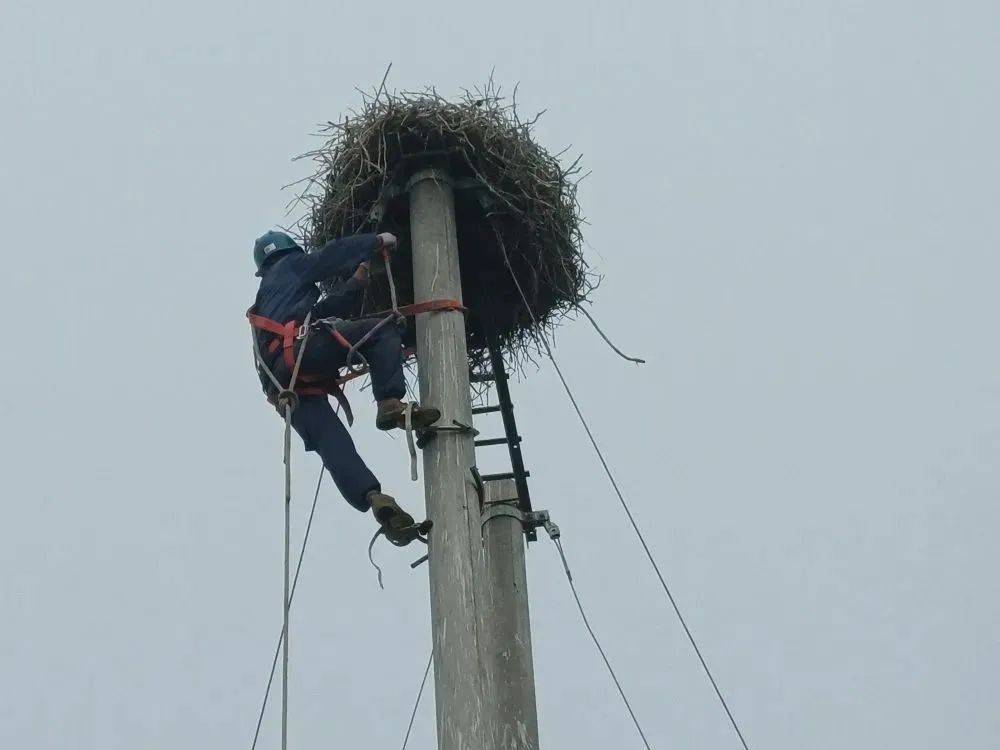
x: 292, y: 323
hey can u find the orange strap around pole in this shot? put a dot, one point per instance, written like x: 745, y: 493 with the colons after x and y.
x: 434, y: 305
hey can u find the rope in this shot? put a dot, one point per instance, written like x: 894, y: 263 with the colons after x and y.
x: 288, y: 400
x: 287, y: 593
x: 392, y: 282
x: 302, y: 350
x: 649, y: 554
x: 371, y: 559
x: 416, y: 704
x: 621, y: 499
x: 353, y: 351
x: 259, y: 360
x: 392, y: 316
x: 287, y: 393
x: 281, y: 635
x: 608, y: 341
x: 593, y: 636
x: 410, y: 446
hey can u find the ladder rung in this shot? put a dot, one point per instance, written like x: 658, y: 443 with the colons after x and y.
x: 487, y: 377
x: 496, y: 441
x: 485, y: 410
x: 505, y: 475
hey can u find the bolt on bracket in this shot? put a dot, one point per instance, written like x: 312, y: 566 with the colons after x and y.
x: 530, y: 520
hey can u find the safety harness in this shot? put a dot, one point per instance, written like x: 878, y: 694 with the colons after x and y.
x: 287, y: 334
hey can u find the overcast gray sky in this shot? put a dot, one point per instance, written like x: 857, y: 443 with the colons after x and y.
x: 794, y: 205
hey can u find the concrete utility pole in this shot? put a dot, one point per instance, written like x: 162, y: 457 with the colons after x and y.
x: 483, y: 681
x: 456, y: 556
x: 512, y: 671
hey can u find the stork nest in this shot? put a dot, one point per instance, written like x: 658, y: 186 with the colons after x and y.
x: 517, y: 213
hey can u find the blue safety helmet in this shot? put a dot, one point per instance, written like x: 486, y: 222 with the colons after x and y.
x: 270, y: 245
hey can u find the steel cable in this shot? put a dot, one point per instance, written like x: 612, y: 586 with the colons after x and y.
x: 600, y: 649
x: 621, y: 498
x: 416, y: 704
x: 281, y: 635
x: 649, y: 554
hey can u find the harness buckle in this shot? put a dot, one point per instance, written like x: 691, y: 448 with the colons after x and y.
x: 331, y: 324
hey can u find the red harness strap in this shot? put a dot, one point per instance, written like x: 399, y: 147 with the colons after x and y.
x: 289, y: 331
x: 286, y: 331
x: 309, y: 385
x: 324, y: 386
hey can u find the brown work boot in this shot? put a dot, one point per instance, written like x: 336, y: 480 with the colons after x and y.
x: 392, y: 414
x: 399, y: 526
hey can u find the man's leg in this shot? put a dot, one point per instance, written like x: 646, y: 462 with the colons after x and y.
x: 322, y: 431
x: 384, y: 353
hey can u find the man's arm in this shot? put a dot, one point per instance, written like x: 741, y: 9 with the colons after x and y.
x: 338, y: 257
x: 341, y: 301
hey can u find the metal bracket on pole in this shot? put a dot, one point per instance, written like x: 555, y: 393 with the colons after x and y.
x: 477, y: 481
x: 426, y: 434
x: 424, y: 558
x: 530, y: 520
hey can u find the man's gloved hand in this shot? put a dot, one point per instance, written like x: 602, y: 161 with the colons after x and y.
x: 386, y: 241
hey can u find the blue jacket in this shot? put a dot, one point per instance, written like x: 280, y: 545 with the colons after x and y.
x: 288, y: 288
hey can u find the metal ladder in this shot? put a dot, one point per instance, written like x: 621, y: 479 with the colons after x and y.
x: 498, y: 376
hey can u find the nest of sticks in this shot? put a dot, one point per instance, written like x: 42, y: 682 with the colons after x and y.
x: 518, y: 218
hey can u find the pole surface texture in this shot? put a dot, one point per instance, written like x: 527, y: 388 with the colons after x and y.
x: 456, y: 554
x: 509, y: 662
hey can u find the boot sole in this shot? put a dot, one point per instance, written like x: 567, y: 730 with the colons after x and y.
x: 421, y: 420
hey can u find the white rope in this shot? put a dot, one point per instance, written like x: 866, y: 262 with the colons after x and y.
x: 287, y: 597
x: 259, y: 360
x: 288, y: 400
x: 291, y: 597
x: 409, y: 441
x: 302, y: 350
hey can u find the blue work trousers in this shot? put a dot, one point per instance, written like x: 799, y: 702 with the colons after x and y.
x: 315, y: 420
